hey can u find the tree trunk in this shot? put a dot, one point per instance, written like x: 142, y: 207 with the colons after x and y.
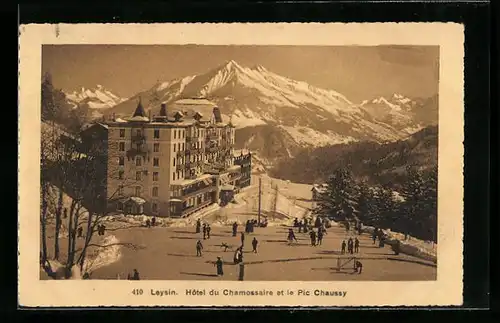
x: 43, y: 221
x: 88, y: 239
x: 69, y: 262
x: 58, y: 223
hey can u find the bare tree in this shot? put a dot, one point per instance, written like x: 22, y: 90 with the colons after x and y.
x: 82, y: 170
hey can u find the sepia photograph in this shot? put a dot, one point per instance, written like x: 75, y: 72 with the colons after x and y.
x: 198, y: 162
x: 258, y: 163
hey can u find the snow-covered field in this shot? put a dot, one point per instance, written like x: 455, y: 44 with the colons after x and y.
x: 245, y: 207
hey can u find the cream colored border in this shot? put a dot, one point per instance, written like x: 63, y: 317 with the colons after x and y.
x: 447, y: 290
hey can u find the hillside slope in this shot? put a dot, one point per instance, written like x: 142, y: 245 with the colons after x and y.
x: 380, y: 163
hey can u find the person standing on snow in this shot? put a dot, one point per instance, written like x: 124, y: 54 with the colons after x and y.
x: 219, y: 263
x: 312, y: 235
x: 199, y: 248
x: 235, y: 229
x: 254, y: 245
x: 198, y: 226
x: 320, y: 236
x: 291, y: 236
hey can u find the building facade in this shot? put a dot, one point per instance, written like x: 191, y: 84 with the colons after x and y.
x: 172, y: 164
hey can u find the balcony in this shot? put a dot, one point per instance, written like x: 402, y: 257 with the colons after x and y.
x: 138, y: 138
x: 180, y: 167
x: 180, y: 153
x: 139, y: 151
x: 193, y: 192
x: 191, y: 209
x: 213, y: 136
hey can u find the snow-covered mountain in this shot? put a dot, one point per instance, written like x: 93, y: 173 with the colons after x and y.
x: 254, y: 98
x: 96, y: 98
x: 401, y: 112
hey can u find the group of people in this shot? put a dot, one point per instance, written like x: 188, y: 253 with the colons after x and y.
x: 151, y: 223
x: 206, y: 229
x: 317, y: 238
x: 352, y: 246
x: 305, y: 226
x: 378, y: 234
x: 134, y: 276
x: 250, y: 225
x: 101, y: 229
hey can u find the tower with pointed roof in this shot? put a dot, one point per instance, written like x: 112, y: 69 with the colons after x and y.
x: 139, y: 111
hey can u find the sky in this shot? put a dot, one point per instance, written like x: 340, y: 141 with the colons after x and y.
x: 358, y: 72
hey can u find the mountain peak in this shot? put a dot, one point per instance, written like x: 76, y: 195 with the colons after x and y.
x: 232, y: 64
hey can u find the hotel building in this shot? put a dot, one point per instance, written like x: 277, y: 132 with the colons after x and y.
x: 172, y: 164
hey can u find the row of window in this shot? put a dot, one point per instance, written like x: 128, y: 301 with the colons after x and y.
x: 178, y: 133
x: 156, y: 147
x: 121, y: 206
x: 138, y: 161
x: 179, y: 147
x: 138, y: 175
x: 138, y: 191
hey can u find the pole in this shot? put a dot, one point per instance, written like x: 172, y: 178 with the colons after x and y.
x: 260, y: 193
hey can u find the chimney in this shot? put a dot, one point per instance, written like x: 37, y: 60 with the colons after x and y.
x: 217, y: 115
x: 163, y: 110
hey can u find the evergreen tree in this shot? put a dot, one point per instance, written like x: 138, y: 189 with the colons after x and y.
x: 366, y: 204
x: 48, y: 107
x: 420, y: 206
x: 339, y: 199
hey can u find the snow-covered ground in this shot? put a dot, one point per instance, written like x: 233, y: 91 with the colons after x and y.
x: 412, y: 246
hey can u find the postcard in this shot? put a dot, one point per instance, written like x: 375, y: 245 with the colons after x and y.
x: 269, y: 164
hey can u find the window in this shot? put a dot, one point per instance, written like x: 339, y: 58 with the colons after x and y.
x: 182, y: 146
x: 119, y: 206
x: 137, y: 191
x: 174, y: 148
x: 156, y: 162
x: 122, y: 146
x: 156, y: 133
x: 174, y: 161
x: 155, y: 191
x: 179, y: 146
x: 155, y: 176
x: 175, y: 133
x: 138, y: 161
x: 120, y: 190
x: 138, y: 176
x: 154, y: 207
x: 173, y: 176
x: 121, y: 161
x: 183, y: 133
x: 122, y: 133
x: 120, y: 174
x: 156, y: 147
